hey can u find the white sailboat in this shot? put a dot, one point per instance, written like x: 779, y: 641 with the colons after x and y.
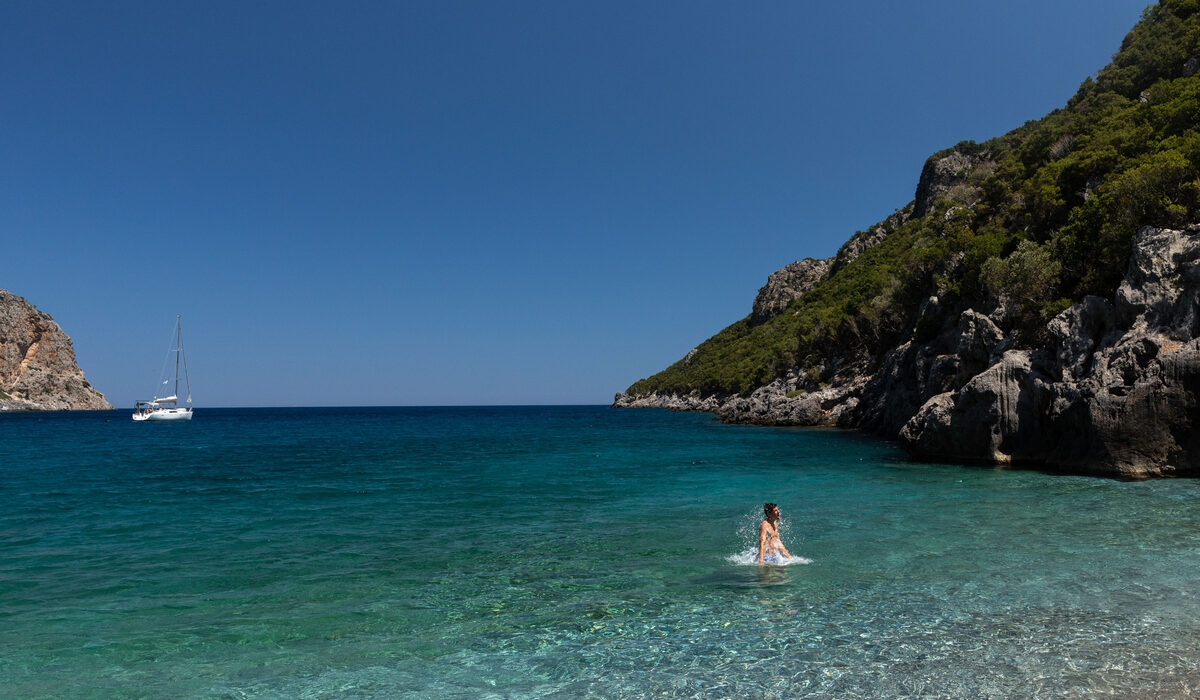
x: 167, y: 407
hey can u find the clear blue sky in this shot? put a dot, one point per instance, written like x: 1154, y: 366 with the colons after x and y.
x: 391, y: 203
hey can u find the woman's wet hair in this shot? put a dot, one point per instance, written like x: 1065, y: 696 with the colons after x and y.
x: 768, y: 507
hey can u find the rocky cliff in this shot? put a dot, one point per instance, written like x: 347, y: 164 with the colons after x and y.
x: 37, y: 363
x: 1037, y: 303
x: 1114, y: 388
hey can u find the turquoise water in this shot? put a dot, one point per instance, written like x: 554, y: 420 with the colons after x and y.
x: 569, y: 552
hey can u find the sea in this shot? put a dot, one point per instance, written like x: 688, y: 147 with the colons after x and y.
x: 570, y: 552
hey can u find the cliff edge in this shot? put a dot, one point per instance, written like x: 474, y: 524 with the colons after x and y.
x: 1037, y: 303
x: 37, y: 363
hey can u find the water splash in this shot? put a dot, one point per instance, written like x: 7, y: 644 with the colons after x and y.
x: 749, y: 557
x: 748, y: 535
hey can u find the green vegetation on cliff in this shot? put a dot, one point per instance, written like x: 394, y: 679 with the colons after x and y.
x: 1035, y: 220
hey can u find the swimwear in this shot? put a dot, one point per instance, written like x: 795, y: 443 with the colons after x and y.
x: 773, y: 559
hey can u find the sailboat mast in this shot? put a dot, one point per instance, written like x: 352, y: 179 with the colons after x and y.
x: 186, y: 379
x: 178, y: 344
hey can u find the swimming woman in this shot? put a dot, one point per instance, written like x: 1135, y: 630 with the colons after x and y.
x: 770, y: 547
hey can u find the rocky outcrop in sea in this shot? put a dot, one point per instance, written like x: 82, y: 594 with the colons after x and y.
x: 1112, y: 388
x: 37, y: 363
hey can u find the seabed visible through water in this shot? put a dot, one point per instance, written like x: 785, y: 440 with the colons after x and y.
x: 570, y: 552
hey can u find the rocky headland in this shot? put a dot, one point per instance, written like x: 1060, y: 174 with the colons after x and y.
x: 1036, y: 304
x: 37, y: 363
x: 1113, y: 388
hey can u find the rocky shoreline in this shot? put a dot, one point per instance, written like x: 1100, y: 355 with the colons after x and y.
x: 1111, y: 387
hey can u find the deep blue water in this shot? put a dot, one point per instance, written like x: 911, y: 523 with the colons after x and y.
x: 569, y: 552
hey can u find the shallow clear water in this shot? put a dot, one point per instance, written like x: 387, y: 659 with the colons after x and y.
x: 569, y: 552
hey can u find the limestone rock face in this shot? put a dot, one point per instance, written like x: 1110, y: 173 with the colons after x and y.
x: 993, y: 418
x: 1116, y: 391
x: 37, y: 363
x: 671, y: 402
x: 787, y: 285
x: 1112, y: 388
x: 913, y: 372
x: 951, y: 176
x: 862, y: 241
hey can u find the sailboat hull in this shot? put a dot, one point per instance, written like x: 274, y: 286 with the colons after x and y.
x: 165, y: 414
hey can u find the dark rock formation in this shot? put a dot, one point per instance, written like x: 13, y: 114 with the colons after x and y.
x: 1114, y: 389
x: 934, y: 327
x: 37, y: 363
